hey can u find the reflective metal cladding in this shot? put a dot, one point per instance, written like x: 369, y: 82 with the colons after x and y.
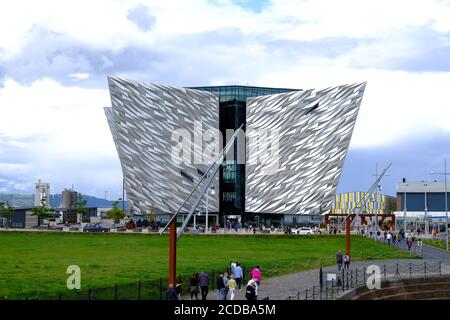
x: 311, y: 131
x: 142, y: 120
x: 295, y: 148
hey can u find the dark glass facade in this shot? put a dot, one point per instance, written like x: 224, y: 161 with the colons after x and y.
x: 415, y: 201
x: 232, y: 114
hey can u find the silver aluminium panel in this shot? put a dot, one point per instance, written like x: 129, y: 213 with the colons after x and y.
x: 297, y: 170
x: 142, y: 119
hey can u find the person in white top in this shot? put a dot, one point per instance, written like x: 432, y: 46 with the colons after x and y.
x: 419, y: 247
x: 389, y: 238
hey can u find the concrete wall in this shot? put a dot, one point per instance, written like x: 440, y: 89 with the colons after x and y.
x: 437, y: 287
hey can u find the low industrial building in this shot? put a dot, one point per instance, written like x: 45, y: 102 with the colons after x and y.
x: 422, y: 205
x: 23, y: 218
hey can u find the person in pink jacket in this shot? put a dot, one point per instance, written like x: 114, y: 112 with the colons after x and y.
x: 256, y: 275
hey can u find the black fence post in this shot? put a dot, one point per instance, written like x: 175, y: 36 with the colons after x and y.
x: 139, y: 290
x: 298, y: 295
x: 343, y: 281
x: 89, y: 294
x: 351, y: 278
x: 364, y: 275
x: 348, y: 286
x: 213, y: 279
x: 336, y: 289
x: 384, y: 271
x: 332, y: 288
x: 440, y: 268
x: 410, y: 270
x: 314, y: 293
x: 356, y: 276
x: 160, y: 288
x: 321, y: 278
x: 397, y: 272
x: 425, y: 268
x: 326, y: 290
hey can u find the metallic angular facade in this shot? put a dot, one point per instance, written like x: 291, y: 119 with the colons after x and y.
x: 142, y: 119
x: 314, y: 129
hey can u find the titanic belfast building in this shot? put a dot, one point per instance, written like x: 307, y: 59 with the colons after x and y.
x: 286, y: 162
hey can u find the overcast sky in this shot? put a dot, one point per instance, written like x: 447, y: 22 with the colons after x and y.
x: 55, y: 56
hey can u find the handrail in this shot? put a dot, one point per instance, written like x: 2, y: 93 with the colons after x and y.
x: 217, y: 162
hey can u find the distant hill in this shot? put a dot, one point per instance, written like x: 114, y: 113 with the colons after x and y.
x: 27, y: 200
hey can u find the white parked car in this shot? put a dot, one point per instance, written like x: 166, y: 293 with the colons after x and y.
x: 303, y: 231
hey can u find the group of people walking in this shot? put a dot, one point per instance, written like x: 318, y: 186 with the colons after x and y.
x: 391, y: 237
x: 409, y: 237
x: 227, y: 286
x: 342, y: 260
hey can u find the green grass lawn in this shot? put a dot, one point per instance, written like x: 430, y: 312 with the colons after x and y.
x: 438, y: 243
x: 34, y: 264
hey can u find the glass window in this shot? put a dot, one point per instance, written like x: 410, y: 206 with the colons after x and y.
x: 229, y: 196
x: 187, y: 176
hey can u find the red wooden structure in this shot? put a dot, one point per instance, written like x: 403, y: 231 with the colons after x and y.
x: 363, y: 216
x: 349, y: 219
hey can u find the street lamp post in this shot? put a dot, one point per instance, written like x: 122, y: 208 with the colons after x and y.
x: 404, y: 211
x: 210, y: 189
x: 376, y: 198
x: 446, y: 204
x: 195, y: 221
x: 426, y: 210
x: 446, y: 201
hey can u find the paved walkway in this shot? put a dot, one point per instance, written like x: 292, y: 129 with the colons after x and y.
x: 428, y: 252
x: 280, y: 287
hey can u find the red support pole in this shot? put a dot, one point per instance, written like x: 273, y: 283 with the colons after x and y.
x: 173, y: 252
x: 347, y: 236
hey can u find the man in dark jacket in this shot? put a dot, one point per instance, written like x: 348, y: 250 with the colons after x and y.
x: 339, y: 259
x: 171, y: 293
x: 203, y: 281
x: 220, y: 287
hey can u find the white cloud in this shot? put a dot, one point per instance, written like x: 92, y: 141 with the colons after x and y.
x: 104, y: 23
x: 67, y: 115
x: 360, y: 19
x: 396, y: 104
x: 79, y: 76
x: 100, y: 23
x: 206, y: 42
x: 68, y: 136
